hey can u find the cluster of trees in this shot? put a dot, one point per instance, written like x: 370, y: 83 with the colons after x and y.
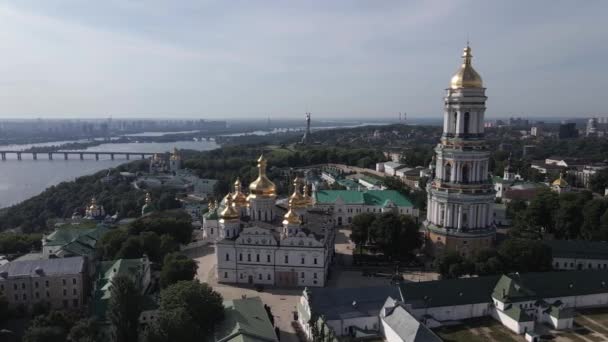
x: 62, y: 200
x: 571, y: 215
x: 396, y: 236
x: 513, y: 255
x: 227, y: 163
x: 12, y: 243
x: 60, y: 325
x: 156, y: 235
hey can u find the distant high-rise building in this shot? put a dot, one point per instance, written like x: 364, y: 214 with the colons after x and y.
x: 536, y: 131
x: 568, y: 130
x: 592, y: 127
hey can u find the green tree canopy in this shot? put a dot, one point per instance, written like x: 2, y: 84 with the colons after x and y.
x: 124, y: 308
x: 177, y: 267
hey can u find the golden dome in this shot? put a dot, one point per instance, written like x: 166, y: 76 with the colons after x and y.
x: 561, y: 182
x: 175, y: 155
x: 229, y: 213
x: 93, y: 205
x: 238, y: 197
x: 466, y: 76
x: 262, y: 186
x: 297, y: 198
x: 291, y: 217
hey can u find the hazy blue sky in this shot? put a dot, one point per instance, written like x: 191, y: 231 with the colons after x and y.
x: 148, y: 58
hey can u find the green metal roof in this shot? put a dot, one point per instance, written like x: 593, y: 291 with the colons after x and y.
x: 349, y: 184
x: 106, y: 271
x: 245, y: 320
x: 369, y: 197
x: 448, y: 292
x: 211, y: 215
x: 77, y: 241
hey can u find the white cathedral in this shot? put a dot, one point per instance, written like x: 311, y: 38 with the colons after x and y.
x: 253, y: 244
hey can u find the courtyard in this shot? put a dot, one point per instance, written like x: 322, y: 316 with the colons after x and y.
x: 283, y: 301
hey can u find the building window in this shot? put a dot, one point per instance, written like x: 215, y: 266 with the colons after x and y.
x: 24, y: 296
x: 302, y: 275
x: 48, y: 294
x: 64, y: 282
x: 287, y: 259
x: 302, y: 262
x: 46, y: 283
x: 36, y: 284
x: 37, y: 295
x: 268, y: 276
x: 14, y: 286
x: 315, y: 261
x: 315, y: 275
x: 260, y: 276
x: 257, y: 258
x: 241, y: 275
x: 23, y: 286
x: 268, y: 258
x: 211, y: 231
x: 73, y: 281
x: 75, y: 303
x: 225, y: 274
x: 248, y: 257
x: 227, y: 257
x: 240, y: 256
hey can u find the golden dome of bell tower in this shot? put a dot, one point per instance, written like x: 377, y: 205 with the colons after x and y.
x: 262, y: 186
x: 466, y: 76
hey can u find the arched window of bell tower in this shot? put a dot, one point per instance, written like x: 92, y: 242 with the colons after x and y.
x: 448, y: 172
x: 454, y: 122
x: 465, y: 174
x: 467, y: 120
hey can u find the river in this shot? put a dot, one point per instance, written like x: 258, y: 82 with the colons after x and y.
x: 20, y: 180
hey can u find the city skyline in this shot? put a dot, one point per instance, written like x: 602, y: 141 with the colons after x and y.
x: 246, y: 59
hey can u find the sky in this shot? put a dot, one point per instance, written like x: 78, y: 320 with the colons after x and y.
x: 336, y: 59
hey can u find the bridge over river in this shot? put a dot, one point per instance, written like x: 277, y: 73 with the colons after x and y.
x: 81, y: 154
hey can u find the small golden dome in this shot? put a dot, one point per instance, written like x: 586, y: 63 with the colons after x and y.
x: 466, y: 76
x: 175, y: 155
x: 297, y: 198
x: 229, y: 213
x: 93, y: 205
x: 291, y: 217
x: 262, y: 186
x: 561, y: 182
x: 238, y: 197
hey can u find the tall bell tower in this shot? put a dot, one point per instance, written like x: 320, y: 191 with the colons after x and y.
x: 461, y: 196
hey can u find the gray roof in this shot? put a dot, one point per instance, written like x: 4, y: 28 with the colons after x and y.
x: 394, y: 165
x: 58, y: 266
x: 405, y: 325
x: 448, y: 292
x: 578, y: 249
x: 336, y: 303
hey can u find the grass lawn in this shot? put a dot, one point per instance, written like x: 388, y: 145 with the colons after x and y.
x: 477, y: 330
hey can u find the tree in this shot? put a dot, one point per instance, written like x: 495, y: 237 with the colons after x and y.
x: 395, y: 235
x: 168, y: 245
x: 151, y: 245
x: 44, y: 334
x: 189, y: 311
x: 444, y: 263
x: 360, y: 229
x: 84, y: 330
x: 592, y: 228
x: 177, y: 267
x: 124, y: 308
x: 110, y: 243
x: 131, y: 248
x: 176, y: 223
x: 522, y: 255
